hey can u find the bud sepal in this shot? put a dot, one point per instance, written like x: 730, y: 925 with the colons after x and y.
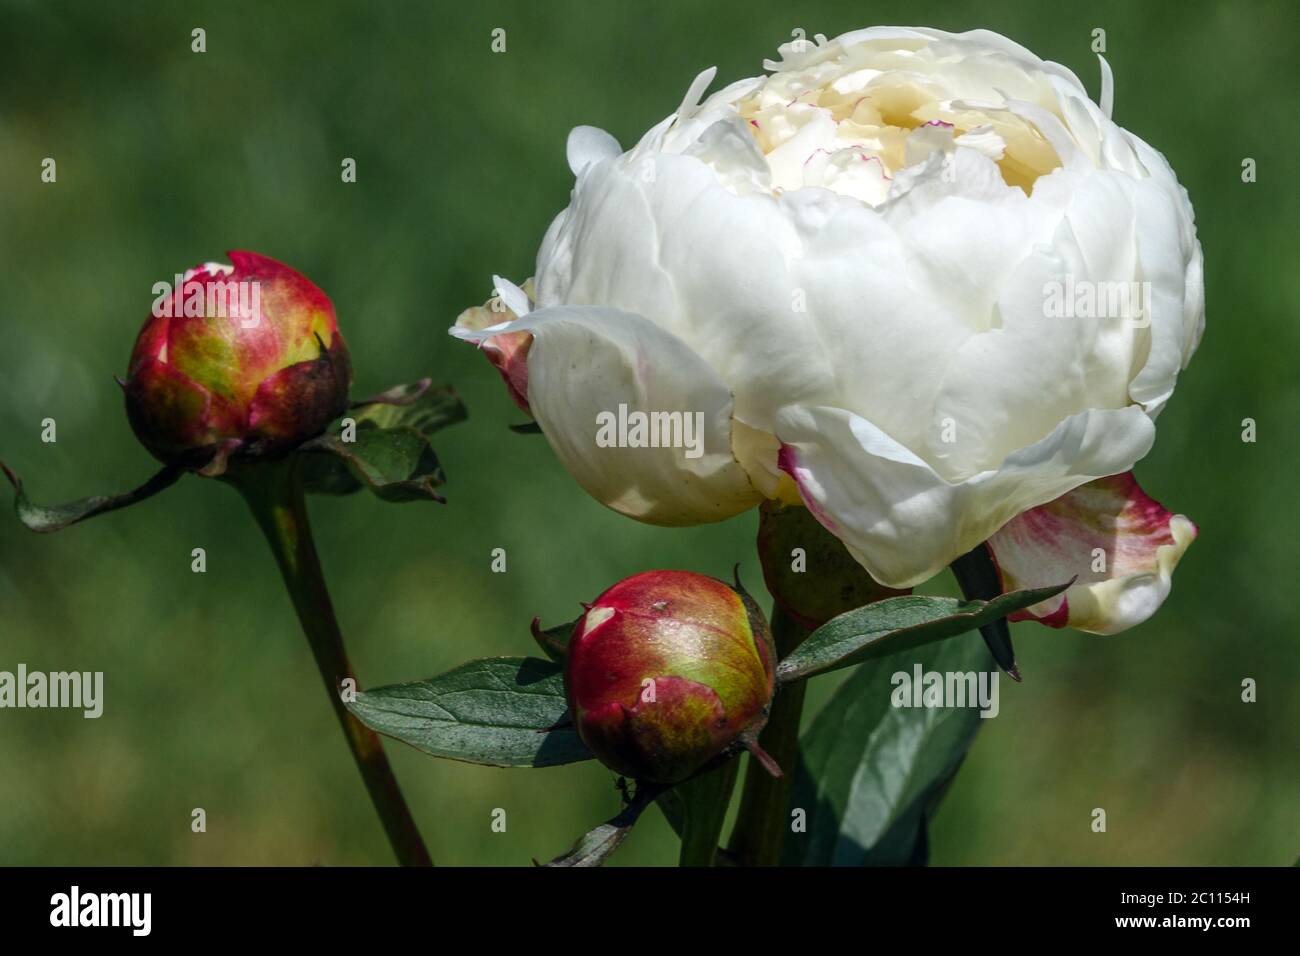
x: 216, y: 391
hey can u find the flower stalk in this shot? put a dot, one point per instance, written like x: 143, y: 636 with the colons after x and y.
x: 764, y: 817
x: 706, y: 799
x: 274, y: 493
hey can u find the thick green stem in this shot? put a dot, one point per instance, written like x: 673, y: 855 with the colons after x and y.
x: 705, y: 800
x: 764, y: 817
x: 273, y: 491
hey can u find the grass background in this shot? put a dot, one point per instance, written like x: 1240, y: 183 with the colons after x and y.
x: 167, y: 158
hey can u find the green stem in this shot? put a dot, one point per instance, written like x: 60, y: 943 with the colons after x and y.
x: 705, y: 800
x: 274, y: 492
x: 764, y: 817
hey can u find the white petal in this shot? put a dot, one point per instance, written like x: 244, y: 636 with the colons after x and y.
x: 1107, y: 99
x: 515, y: 298
x: 691, y: 101
x: 1015, y: 380
x: 1119, y: 542
x: 663, y: 239
x: 734, y: 157
x: 588, y: 145
x: 587, y: 361
x: 902, y: 521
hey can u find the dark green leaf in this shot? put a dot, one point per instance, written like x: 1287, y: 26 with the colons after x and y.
x: 871, y: 774
x: 978, y: 576
x: 428, y: 410
x: 526, y: 428
x: 503, y: 712
x: 390, y: 452
x: 397, y: 464
x: 397, y: 395
x: 46, y: 518
x: 673, y: 806
x: 896, y: 624
x: 699, y: 810
x: 595, y: 846
x: 324, y: 472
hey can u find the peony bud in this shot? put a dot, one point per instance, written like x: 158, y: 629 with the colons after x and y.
x: 668, y: 670
x: 246, y: 356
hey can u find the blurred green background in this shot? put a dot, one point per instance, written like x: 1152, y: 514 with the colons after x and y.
x: 167, y: 158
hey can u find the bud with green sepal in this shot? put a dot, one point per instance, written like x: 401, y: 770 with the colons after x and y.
x: 237, y: 374
x: 667, y: 672
x: 258, y: 367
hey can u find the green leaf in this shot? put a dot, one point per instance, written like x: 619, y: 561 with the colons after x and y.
x: 979, y: 579
x: 44, y: 519
x: 673, y: 806
x: 698, y: 812
x: 427, y: 410
x: 502, y: 712
x: 397, y: 395
x: 896, y: 624
x: 871, y: 775
x: 390, y: 452
x: 396, y: 464
x: 595, y: 846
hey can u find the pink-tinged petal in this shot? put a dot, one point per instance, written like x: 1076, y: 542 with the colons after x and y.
x: 172, y: 415
x: 1120, y: 542
x: 305, y: 293
x: 684, y: 728
x: 273, y: 315
x: 298, y: 308
x: 151, y: 342
x: 509, y: 353
x: 216, y: 350
x: 903, y: 520
x: 787, y: 459
x: 299, y: 401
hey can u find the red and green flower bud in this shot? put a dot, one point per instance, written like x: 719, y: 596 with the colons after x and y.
x: 667, y: 671
x: 246, y: 357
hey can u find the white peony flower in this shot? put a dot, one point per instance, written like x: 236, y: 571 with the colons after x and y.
x: 917, y: 280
